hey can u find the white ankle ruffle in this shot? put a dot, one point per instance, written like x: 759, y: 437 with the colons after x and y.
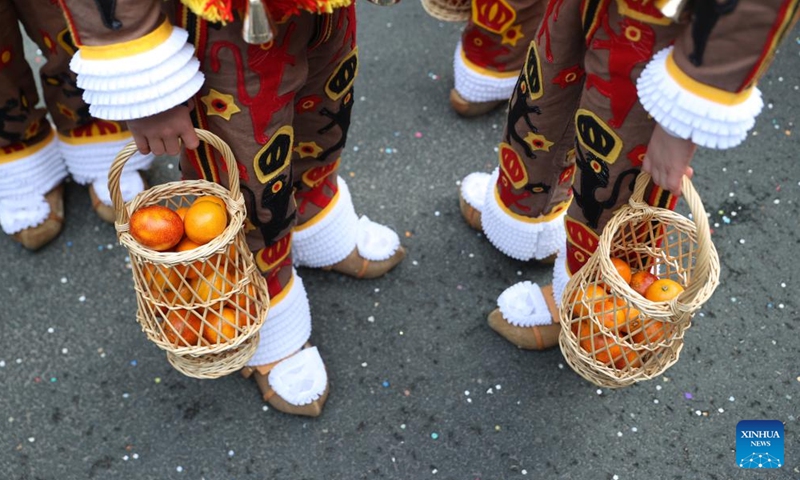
x: 287, y: 327
x: 524, y: 305
x: 23, y: 185
x: 476, y: 87
x: 301, y: 378
x: 329, y: 239
x: 518, y: 239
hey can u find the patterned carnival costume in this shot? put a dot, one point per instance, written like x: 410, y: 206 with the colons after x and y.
x: 598, y: 76
x: 491, y: 53
x: 284, y: 108
x: 35, y: 157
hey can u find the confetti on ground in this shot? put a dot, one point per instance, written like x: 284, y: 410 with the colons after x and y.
x: 434, y: 435
x: 687, y: 396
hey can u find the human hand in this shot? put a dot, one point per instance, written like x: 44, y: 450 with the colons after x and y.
x: 667, y: 160
x: 162, y: 133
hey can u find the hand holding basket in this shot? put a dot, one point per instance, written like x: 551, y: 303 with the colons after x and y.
x: 613, y: 336
x: 203, y: 306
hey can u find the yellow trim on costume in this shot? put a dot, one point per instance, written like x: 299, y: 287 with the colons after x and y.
x: 556, y: 211
x: 26, y: 151
x: 631, y: 12
x: 319, y: 216
x: 130, y: 48
x: 596, y: 136
x: 284, y: 291
x: 107, y: 137
x: 486, y: 71
x: 702, y: 90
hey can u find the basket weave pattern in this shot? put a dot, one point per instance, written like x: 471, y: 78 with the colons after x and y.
x: 448, y: 10
x: 613, y: 336
x: 215, y: 288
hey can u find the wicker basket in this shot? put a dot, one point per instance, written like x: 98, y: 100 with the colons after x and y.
x: 630, y: 338
x: 214, y: 291
x: 448, y: 10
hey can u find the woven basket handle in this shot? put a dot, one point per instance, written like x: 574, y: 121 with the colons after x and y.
x: 685, y: 302
x: 115, y: 172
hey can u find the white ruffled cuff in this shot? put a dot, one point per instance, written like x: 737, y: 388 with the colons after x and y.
x: 301, y: 378
x: 287, y: 327
x: 23, y: 185
x: 687, y: 115
x: 140, y: 85
x: 331, y: 236
x: 90, y: 163
x: 474, y: 86
x: 560, y: 275
x: 473, y: 189
x: 518, y: 239
x: 523, y: 305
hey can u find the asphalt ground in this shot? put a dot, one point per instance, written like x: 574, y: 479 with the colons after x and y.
x: 421, y: 387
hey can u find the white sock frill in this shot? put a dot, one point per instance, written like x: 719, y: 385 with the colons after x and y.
x: 687, y: 115
x: 518, y: 239
x: 524, y: 305
x: 23, y: 185
x: 287, y: 326
x: 330, y: 239
x: 90, y: 162
x: 477, y: 87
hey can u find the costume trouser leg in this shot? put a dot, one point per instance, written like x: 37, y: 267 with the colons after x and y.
x: 30, y: 163
x: 260, y: 128
x: 492, y: 48
x: 328, y: 231
x: 582, y: 88
x: 86, y: 145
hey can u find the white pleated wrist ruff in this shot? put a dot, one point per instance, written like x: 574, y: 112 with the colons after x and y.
x: 90, y: 163
x: 24, y: 183
x: 687, y: 115
x: 142, y: 84
x: 524, y: 305
x: 336, y: 231
x: 287, y: 326
x: 518, y: 239
x: 474, y: 86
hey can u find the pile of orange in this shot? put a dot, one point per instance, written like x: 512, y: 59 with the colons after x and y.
x: 211, y: 281
x: 626, y: 323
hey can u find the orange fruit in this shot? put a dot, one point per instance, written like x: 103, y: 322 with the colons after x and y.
x: 584, y: 299
x: 221, y: 326
x: 181, y: 212
x: 245, y: 300
x: 159, y: 278
x: 629, y: 358
x: 641, y: 280
x: 663, y: 290
x: 651, y: 331
x: 182, y: 328
x: 156, y: 227
x: 211, y: 198
x: 612, y: 314
x: 623, y: 269
x: 187, y: 271
x: 212, y: 286
x: 205, y: 221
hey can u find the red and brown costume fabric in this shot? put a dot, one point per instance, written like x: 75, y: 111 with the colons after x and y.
x: 284, y: 108
x: 597, y: 78
x: 34, y: 156
x: 492, y: 48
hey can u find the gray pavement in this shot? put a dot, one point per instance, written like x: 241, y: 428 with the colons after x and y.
x: 421, y: 387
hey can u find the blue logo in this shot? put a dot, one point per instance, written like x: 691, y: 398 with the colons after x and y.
x: 759, y: 444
